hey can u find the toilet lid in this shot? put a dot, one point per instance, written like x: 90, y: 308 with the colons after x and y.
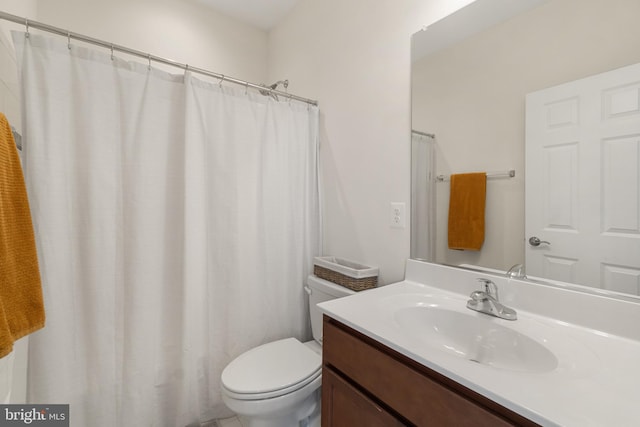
x: 272, y: 369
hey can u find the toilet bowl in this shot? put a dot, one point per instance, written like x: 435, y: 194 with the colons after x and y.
x: 278, y: 384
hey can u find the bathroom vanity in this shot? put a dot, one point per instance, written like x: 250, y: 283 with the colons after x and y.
x: 367, y: 383
x: 412, y: 353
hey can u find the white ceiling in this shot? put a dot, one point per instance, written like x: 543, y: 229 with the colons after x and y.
x: 263, y: 14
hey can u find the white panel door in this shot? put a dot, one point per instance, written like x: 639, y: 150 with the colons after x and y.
x: 583, y: 181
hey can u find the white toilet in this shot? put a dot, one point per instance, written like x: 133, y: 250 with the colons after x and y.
x: 278, y: 384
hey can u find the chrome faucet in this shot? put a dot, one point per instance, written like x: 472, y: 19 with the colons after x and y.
x: 516, y: 272
x: 486, y: 301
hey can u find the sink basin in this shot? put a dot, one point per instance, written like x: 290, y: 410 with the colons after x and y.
x: 475, y: 338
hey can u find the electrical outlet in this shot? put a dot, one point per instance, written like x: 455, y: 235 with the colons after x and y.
x: 397, y: 219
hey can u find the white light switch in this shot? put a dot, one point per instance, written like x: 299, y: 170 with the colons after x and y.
x: 397, y: 218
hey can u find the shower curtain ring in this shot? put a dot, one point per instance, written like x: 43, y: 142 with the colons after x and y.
x: 26, y: 23
x: 246, y: 88
x: 149, y: 58
x: 221, y: 80
x: 69, y: 40
x: 112, y: 52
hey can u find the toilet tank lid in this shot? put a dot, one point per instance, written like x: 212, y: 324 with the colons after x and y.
x: 270, y: 367
x: 328, y: 287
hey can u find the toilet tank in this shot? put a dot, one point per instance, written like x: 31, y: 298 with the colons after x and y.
x: 320, y: 290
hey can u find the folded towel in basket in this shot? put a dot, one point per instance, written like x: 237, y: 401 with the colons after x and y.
x: 466, y: 211
x: 21, y: 304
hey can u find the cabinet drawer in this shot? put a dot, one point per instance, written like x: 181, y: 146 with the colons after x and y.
x: 405, y: 386
x: 345, y: 406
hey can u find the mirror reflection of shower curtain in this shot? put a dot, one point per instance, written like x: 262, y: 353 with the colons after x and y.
x: 423, y: 201
x: 176, y: 223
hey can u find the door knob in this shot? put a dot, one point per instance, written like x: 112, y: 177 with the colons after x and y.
x: 534, y: 241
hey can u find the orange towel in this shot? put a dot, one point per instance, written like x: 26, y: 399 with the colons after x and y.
x: 466, y: 210
x: 21, y: 304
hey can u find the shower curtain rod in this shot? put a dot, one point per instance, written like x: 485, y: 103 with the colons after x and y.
x: 114, y: 47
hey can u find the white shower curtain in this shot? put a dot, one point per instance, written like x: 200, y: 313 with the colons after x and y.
x: 176, y: 222
x: 423, y: 197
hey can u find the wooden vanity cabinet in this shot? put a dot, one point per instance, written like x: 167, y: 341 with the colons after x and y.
x: 365, y: 383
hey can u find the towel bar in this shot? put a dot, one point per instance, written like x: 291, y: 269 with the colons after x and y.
x: 506, y: 174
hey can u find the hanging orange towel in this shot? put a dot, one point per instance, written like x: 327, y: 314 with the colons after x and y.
x: 466, y: 210
x: 21, y: 304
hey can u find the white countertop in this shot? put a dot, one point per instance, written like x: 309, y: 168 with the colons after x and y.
x: 596, y: 381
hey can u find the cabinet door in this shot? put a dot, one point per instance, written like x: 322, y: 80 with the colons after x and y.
x: 345, y: 406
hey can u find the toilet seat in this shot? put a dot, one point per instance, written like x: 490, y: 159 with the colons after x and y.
x: 271, y: 370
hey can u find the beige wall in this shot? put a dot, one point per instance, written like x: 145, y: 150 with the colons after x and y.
x: 24, y: 8
x: 472, y: 97
x: 354, y: 57
x: 182, y: 30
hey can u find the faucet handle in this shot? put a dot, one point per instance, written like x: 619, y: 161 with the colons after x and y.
x: 490, y: 288
x: 479, y: 296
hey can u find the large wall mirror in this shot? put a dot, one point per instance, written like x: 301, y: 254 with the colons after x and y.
x: 482, y: 79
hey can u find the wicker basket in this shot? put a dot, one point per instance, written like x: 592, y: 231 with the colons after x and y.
x: 349, y: 274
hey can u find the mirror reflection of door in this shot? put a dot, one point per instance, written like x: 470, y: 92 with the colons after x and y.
x: 583, y: 181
